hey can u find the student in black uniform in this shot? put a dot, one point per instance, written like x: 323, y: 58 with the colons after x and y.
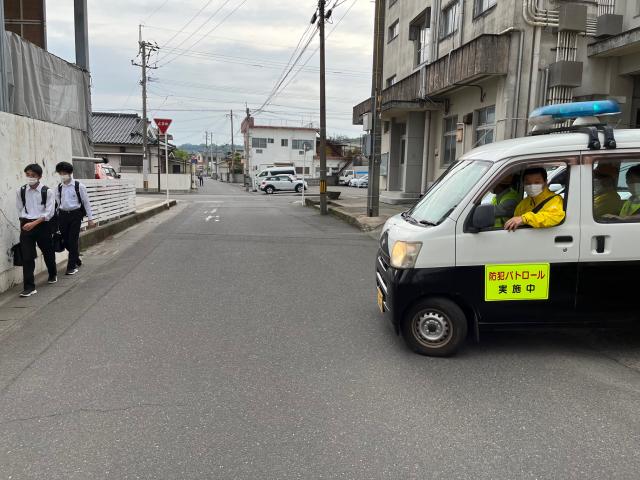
x: 73, y: 205
x: 35, y: 204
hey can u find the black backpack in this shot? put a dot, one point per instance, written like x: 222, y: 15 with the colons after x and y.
x: 77, y: 185
x: 23, y: 196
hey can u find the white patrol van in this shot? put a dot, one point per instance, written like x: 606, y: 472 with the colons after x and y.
x: 445, y: 270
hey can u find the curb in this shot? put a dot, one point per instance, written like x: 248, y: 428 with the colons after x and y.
x: 96, y: 235
x: 344, y: 216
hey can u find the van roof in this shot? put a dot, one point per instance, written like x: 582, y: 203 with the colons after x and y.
x: 552, y: 143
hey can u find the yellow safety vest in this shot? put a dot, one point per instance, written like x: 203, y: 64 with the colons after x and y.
x: 552, y: 213
x: 630, y: 208
x: 505, y: 196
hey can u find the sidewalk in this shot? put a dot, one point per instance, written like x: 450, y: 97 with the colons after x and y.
x: 352, y: 208
x: 101, y: 250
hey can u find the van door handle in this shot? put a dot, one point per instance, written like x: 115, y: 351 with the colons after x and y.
x: 564, y: 239
x: 600, y: 243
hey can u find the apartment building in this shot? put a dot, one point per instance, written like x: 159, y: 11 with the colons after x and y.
x: 461, y: 73
x: 269, y: 145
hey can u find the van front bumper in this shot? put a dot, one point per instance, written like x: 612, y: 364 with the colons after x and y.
x: 401, y: 289
x: 387, y: 282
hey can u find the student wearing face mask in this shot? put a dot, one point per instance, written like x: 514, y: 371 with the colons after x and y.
x: 505, y: 200
x: 73, y: 205
x: 541, y: 208
x: 35, y: 204
x: 606, y: 200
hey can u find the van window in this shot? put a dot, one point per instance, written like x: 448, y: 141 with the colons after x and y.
x: 616, y: 190
x: 507, y: 191
x: 448, y: 191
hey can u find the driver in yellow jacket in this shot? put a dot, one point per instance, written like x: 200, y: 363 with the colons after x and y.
x: 541, y: 208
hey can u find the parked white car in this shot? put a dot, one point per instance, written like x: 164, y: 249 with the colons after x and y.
x: 359, y: 182
x: 282, y: 183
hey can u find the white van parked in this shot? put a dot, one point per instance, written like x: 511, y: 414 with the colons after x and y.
x: 356, y: 172
x: 447, y: 266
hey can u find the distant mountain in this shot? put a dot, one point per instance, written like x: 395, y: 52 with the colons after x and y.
x: 191, y: 148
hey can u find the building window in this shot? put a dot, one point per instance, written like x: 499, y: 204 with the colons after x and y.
x: 449, y: 140
x: 301, y: 145
x: 485, y: 125
x: 391, y: 81
x: 259, y: 142
x: 284, y: 142
x: 259, y: 150
x: 420, y: 34
x: 394, y: 31
x: 392, y: 3
x: 481, y: 6
x: 449, y: 19
x: 269, y: 140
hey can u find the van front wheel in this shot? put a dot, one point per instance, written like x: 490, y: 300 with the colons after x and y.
x: 435, y: 327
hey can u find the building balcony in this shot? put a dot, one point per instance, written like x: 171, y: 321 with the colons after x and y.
x: 626, y: 43
x: 485, y: 56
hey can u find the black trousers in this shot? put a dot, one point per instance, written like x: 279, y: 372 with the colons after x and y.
x: 201, y: 181
x: 42, y: 237
x: 69, y: 224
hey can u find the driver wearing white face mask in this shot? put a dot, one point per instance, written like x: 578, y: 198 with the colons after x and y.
x: 541, y: 208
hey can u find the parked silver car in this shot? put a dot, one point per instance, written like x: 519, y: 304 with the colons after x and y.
x: 282, y: 183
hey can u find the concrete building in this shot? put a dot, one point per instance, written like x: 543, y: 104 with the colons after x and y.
x: 284, y: 146
x: 461, y: 73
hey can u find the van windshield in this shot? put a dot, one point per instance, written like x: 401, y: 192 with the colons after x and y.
x: 447, y: 192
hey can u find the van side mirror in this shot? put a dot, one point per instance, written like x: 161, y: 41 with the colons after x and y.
x: 484, y: 216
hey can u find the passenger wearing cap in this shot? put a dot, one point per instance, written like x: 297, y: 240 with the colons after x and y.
x: 541, y: 208
x: 506, y: 200
x: 606, y: 200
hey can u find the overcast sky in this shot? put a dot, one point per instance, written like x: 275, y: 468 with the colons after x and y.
x: 239, y: 60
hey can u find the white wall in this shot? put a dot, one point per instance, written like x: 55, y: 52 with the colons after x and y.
x: 275, y: 152
x: 24, y: 141
x: 177, y: 181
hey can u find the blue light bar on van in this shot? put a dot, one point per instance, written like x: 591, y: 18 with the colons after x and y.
x: 571, y: 111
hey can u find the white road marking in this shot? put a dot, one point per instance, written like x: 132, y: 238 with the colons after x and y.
x: 214, y: 210
x: 208, y: 218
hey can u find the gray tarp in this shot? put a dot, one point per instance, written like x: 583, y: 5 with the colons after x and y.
x: 47, y: 88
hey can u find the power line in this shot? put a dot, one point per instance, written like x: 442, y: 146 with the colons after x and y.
x: 188, y: 23
x: 211, y: 17
x: 209, y: 32
x: 316, y: 50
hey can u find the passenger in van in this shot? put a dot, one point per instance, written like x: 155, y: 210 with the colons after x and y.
x: 542, y: 208
x: 506, y: 200
x: 631, y: 208
x: 606, y: 200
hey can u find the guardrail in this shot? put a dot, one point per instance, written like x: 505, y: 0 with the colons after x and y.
x: 110, y: 199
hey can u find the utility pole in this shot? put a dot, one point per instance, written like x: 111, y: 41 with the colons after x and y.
x: 373, y: 194
x: 323, y: 112
x: 159, y: 160
x: 233, y: 149
x: 247, y: 173
x: 145, y: 51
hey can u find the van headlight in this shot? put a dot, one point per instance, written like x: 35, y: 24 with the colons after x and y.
x: 405, y: 254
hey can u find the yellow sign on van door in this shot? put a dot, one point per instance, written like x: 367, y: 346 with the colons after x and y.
x: 529, y: 281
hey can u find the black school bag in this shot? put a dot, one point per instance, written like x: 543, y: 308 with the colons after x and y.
x: 77, y: 185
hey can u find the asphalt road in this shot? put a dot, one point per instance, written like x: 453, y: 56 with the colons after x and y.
x: 237, y: 337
